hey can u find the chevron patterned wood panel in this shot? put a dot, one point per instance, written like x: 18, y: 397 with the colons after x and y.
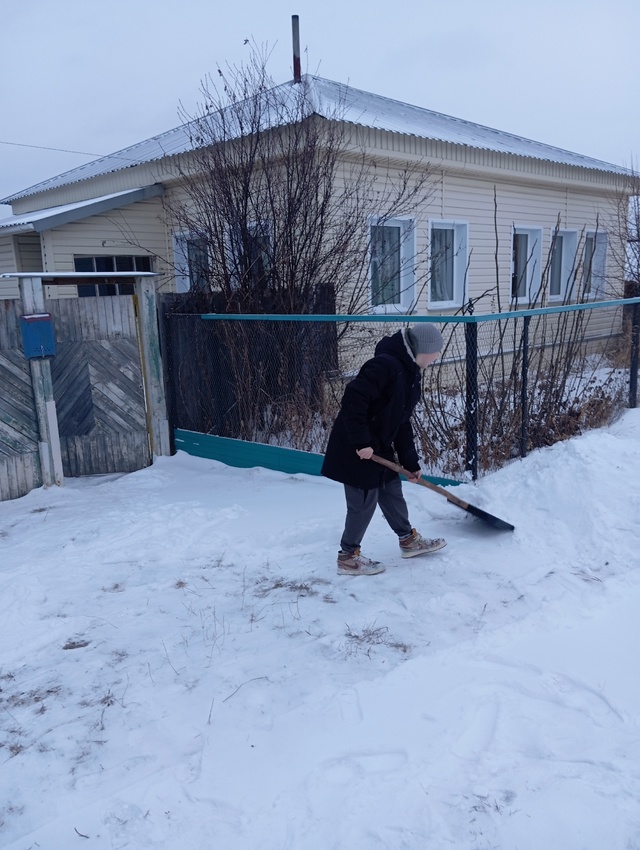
x: 97, y: 386
x: 19, y: 456
x: 18, y: 421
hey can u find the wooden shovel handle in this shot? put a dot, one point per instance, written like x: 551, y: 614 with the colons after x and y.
x: 396, y: 467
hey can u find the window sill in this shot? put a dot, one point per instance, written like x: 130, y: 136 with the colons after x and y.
x: 390, y: 309
x: 444, y: 305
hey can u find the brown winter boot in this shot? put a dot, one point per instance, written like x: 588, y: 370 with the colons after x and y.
x: 355, y: 564
x: 416, y: 544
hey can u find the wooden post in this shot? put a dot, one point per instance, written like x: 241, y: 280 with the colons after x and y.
x: 32, y: 295
x: 149, y: 340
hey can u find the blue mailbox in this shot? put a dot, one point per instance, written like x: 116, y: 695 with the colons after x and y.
x: 38, y: 339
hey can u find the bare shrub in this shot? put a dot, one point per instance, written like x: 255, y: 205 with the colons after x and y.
x: 278, y: 203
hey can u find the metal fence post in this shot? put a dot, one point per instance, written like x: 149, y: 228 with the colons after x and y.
x: 524, y: 402
x: 635, y: 336
x: 471, y: 405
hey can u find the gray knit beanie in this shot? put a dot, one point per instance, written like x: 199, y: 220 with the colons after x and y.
x: 425, y: 338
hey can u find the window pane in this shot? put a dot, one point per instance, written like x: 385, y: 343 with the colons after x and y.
x: 86, y: 290
x: 442, y: 256
x: 124, y: 264
x: 259, y: 257
x: 125, y: 288
x: 107, y: 289
x: 83, y: 264
x: 385, y: 264
x: 143, y: 264
x: 198, y: 259
x: 555, y: 275
x: 520, y: 261
x: 104, y: 264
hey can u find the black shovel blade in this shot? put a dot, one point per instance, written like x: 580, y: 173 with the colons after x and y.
x: 490, y: 519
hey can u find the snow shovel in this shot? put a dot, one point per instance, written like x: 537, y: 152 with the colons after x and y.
x: 492, y: 520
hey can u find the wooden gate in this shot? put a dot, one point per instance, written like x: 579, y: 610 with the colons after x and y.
x: 19, y: 455
x: 98, y: 386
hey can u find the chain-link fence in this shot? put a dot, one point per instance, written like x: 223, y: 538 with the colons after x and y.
x: 505, y: 383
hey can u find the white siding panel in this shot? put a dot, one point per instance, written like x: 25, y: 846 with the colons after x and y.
x: 468, y: 197
x: 529, y: 193
x: 8, y: 288
x: 28, y: 252
x: 135, y: 229
x: 471, y: 199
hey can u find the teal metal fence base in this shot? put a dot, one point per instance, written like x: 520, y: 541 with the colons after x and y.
x: 245, y: 455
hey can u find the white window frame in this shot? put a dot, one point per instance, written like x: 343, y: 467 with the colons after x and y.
x: 181, y: 260
x: 460, y: 260
x: 406, y: 301
x: 533, y: 265
x: 566, y: 242
x: 598, y: 263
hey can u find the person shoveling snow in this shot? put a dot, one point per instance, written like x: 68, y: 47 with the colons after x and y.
x: 375, y: 418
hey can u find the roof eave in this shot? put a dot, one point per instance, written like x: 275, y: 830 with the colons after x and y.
x: 83, y: 210
x: 9, y: 229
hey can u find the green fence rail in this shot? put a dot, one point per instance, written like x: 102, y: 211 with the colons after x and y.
x: 246, y: 455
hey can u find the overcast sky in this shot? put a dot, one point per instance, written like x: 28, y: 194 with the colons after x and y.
x: 97, y: 75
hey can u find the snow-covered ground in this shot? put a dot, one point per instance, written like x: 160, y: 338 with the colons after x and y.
x: 181, y: 666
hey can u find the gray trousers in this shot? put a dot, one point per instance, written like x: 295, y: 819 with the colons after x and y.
x: 361, y: 505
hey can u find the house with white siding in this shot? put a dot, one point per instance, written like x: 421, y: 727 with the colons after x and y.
x: 504, y: 212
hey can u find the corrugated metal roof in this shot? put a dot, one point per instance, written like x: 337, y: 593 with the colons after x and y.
x: 330, y: 100
x: 372, y: 110
x: 46, y: 219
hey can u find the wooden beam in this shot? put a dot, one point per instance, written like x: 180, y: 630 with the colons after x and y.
x: 149, y: 339
x: 32, y: 296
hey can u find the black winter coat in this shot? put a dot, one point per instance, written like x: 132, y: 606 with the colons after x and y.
x: 376, y: 411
